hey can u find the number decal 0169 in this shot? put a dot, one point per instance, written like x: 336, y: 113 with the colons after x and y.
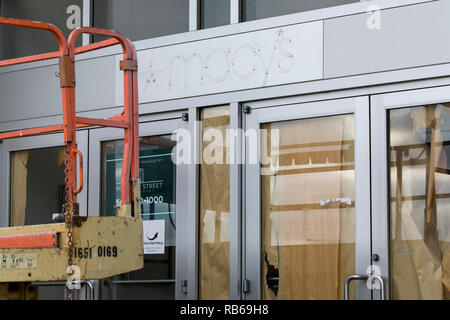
x: 107, y: 251
x: 102, y: 251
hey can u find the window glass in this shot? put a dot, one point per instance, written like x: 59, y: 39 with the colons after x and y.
x: 37, y: 185
x: 142, y: 19
x: 257, y: 9
x: 38, y: 191
x: 19, y: 42
x: 215, y: 205
x: 214, y: 13
x: 158, y: 184
x: 419, y: 158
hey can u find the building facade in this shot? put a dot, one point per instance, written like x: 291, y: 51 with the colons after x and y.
x: 285, y: 145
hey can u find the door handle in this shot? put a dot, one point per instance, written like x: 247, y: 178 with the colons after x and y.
x: 381, y: 281
x: 350, y: 278
x: 363, y: 277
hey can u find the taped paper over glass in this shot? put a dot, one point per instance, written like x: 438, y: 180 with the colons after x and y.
x: 420, y: 202
x: 308, y: 208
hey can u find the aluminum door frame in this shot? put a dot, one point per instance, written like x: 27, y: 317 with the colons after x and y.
x: 380, y: 105
x: 36, y: 142
x: 151, y: 128
x: 359, y: 106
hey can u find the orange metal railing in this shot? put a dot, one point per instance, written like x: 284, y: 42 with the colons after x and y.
x: 127, y: 120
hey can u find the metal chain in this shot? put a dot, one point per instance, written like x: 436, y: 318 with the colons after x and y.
x: 68, y: 207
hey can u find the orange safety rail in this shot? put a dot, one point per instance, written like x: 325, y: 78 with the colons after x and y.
x: 127, y: 120
x: 28, y: 241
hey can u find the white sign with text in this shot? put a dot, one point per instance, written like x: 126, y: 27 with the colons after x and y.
x: 242, y: 61
x: 154, y: 236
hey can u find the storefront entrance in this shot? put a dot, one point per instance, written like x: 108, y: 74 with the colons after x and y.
x: 337, y: 198
x: 161, y: 204
x: 313, y: 191
x: 317, y: 221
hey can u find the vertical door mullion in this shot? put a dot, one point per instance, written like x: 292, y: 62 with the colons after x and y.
x: 235, y: 201
x: 182, y: 198
x: 87, y: 20
x: 252, y: 220
x: 194, y: 15
x: 362, y: 195
x: 235, y: 11
x: 5, y: 183
x: 192, y: 241
x: 379, y: 160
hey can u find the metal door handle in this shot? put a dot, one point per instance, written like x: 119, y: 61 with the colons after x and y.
x: 381, y: 281
x: 349, y: 279
x: 362, y: 277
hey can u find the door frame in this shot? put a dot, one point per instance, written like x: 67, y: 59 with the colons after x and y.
x: 36, y: 142
x: 252, y: 270
x: 380, y: 105
x: 157, y: 127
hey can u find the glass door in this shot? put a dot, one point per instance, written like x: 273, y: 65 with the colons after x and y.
x: 32, y: 189
x: 307, y: 200
x: 411, y: 221
x: 162, y: 204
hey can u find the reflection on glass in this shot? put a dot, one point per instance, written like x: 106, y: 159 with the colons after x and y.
x: 420, y: 202
x: 215, y: 205
x: 308, y: 231
x: 19, y: 42
x: 214, y: 13
x: 37, y: 185
x: 141, y: 19
x: 157, y: 174
x: 257, y: 9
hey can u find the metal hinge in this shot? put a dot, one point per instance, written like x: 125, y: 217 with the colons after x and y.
x: 245, y: 285
x: 184, y: 287
x: 246, y: 109
x: 185, y: 116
